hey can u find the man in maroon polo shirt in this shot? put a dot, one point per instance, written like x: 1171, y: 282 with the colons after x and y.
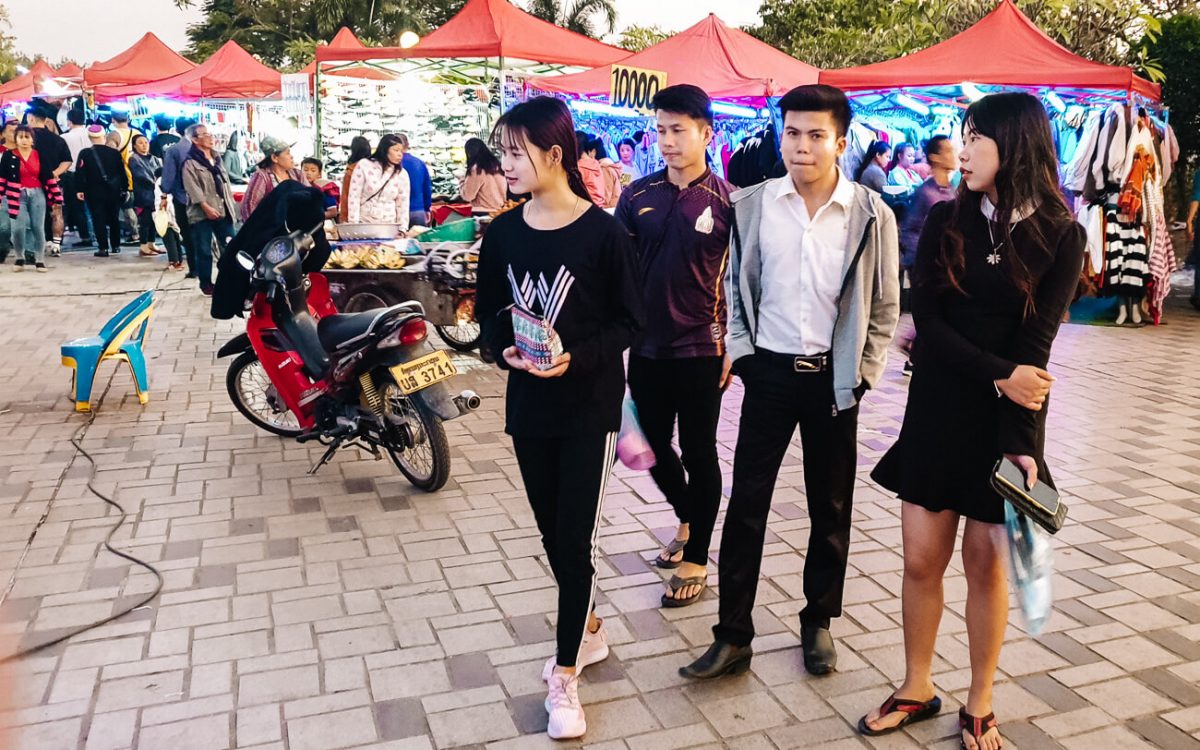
x: 679, y: 219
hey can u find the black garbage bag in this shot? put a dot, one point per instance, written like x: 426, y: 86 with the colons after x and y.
x: 287, y: 208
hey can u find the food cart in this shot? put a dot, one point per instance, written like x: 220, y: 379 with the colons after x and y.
x: 439, y: 273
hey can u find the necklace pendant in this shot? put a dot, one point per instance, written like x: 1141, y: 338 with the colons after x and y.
x: 994, y: 259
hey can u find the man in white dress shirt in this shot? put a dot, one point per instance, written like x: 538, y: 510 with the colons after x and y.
x: 814, y: 297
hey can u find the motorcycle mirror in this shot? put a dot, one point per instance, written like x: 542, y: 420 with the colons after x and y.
x: 245, y: 261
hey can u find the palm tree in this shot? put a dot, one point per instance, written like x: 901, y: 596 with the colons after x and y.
x: 579, y: 17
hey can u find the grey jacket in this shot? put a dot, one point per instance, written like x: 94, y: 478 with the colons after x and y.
x: 201, y: 187
x: 868, y: 308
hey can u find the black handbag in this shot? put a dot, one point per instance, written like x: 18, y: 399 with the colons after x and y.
x: 1040, y: 504
x: 116, y: 184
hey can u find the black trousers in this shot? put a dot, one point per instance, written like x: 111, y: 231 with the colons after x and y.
x: 105, y: 209
x: 75, y: 211
x: 683, y: 390
x: 777, y: 399
x: 146, y: 230
x: 565, y: 480
x: 185, y: 232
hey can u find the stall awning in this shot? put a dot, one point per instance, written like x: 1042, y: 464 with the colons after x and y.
x: 346, y: 40
x: 727, y: 63
x: 492, y: 29
x: 231, y: 73
x: 149, y: 59
x: 70, y: 70
x: 1005, y: 48
x: 32, y: 83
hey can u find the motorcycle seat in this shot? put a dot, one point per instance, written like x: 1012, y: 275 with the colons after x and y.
x: 346, y: 330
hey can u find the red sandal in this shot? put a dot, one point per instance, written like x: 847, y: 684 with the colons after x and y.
x: 977, y: 726
x: 913, y: 711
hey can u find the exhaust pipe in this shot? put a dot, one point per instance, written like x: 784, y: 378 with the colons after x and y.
x: 467, y: 401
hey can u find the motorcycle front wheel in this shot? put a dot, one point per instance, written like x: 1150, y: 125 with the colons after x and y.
x: 256, y: 398
x: 426, y: 463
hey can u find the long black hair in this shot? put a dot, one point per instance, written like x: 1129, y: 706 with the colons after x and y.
x: 381, y: 151
x: 545, y: 122
x: 873, y: 151
x: 480, y: 158
x: 360, y: 148
x: 1028, y: 177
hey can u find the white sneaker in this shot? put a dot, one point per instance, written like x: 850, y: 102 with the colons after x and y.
x: 593, y: 650
x: 562, y: 704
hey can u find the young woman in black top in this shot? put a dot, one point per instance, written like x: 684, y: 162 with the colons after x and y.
x: 560, y: 257
x: 995, y: 271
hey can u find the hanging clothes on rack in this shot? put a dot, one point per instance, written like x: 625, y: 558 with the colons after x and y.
x: 1127, y: 259
x: 1109, y: 168
x: 1162, y: 252
x: 1091, y: 217
x: 1076, y: 173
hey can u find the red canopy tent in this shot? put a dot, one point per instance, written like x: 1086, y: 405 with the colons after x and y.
x: 492, y: 29
x: 1004, y: 48
x: 346, y: 40
x: 70, y: 70
x: 27, y: 85
x: 149, y: 59
x: 230, y: 73
x: 727, y: 63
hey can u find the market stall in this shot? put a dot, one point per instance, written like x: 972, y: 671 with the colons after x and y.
x: 41, y: 80
x: 147, y: 59
x: 1112, y: 135
x: 232, y: 91
x: 738, y: 71
x: 446, y: 88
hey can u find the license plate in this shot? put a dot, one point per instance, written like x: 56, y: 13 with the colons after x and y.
x: 424, y: 372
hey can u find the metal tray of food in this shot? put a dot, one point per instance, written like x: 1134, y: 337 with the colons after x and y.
x: 368, y: 231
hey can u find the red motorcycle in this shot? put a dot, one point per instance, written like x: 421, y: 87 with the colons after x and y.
x: 370, y: 379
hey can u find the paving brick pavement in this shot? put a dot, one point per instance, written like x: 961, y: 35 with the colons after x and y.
x: 347, y: 610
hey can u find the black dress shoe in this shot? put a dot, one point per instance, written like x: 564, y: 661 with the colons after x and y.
x: 720, y: 659
x: 820, y: 656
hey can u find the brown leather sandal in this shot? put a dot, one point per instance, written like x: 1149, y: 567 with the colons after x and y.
x: 978, y: 726
x: 674, y: 548
x: 913, y: 711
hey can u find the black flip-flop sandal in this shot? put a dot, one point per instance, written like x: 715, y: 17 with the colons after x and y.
x: 676, y: 583
x: 978, y: 726
x: 674, y: 548
x: 913, y: 711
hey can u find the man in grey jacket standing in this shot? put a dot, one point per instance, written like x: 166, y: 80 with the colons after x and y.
x: 814, y: 297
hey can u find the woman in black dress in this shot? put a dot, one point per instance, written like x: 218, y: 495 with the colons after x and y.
x: 995, y: 271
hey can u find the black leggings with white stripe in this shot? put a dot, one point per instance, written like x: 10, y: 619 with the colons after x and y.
x: 565, y: 479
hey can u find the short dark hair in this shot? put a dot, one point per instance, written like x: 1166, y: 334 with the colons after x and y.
x: 313, y: 161
x: 627, y: 142
x: 684, y: 99
x: 818, y: 97
x: 75, y: 116
x: 162, y: 122
x: 119, y: 116
x: 182, y: 124
x: 934, y: 145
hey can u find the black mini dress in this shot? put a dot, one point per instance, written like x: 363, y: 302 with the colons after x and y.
x: 955, y: 426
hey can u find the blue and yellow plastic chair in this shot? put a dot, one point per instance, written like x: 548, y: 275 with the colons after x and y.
x: 120, y: 339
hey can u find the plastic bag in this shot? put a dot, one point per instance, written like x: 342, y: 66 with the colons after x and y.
x: 162, y: 222
x: 1032, y: 562
x: 632, y: 447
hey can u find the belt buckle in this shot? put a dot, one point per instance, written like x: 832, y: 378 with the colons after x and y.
x: 801, y: 364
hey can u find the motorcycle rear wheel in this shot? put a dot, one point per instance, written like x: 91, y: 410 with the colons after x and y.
x: 250, y: 390
x: 425, y: 464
